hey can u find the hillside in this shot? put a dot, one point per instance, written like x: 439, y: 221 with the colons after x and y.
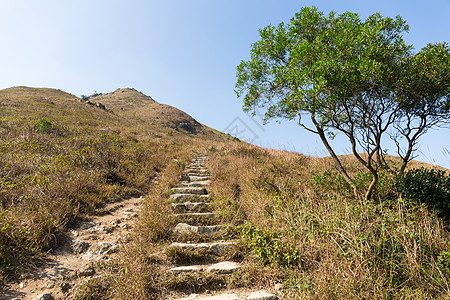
x: 135, y: 105
x: 113, y: 197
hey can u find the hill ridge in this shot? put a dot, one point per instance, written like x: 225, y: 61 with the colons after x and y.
x: 131, y: 102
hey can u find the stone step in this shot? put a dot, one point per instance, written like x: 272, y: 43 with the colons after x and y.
x: 217, y: 248
x: 186, y: 228
x: 185, y: 177
x: 198, y: 178
x: 190, y: 206
x: 187, y: 197
x: 200, y: 157
x: 198, y: 160
x: 225, y: 267
x: 200, y: 171
x: 259, y: 295
x: 186, y: 269
x: 196, y: 169
x: 190, y: 190
x: 195, y: 163
x: 196, y: 183
x: 198, y: 218
x: 199, y: 164
x: 196, y: 215
x: 216, y: 297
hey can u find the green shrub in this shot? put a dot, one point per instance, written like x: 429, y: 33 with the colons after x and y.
x: 269, y: 246
x: 44, y: 126
x: 427, y: 186
x: 329, y: 180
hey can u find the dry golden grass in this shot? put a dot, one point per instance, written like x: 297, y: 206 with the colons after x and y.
x: 296, y: 219
x: 298, y: 216
x: 135, y: 105
x: 61, y: 159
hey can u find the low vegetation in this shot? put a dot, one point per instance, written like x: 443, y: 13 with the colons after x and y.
x: 299, y: 225
x: 61, y: 160
x: 297, y: 215
x: 295, y: 218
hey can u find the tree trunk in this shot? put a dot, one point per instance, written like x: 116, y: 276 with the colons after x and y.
x: 336, y: 160
x: 371, y: 186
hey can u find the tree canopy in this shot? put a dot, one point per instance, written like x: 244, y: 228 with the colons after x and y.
x: 358, y: 78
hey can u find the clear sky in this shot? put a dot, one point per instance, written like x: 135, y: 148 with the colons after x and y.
x: 183, y: 53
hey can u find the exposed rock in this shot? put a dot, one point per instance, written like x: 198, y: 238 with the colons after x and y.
x: 216, y: 248
x: 196, y: 183
x: 44, y: 297
x: 187, y: 246
x: 262, y: 295
x: 197, y: 215
x: 190, y: 190
x: 194, y: 168
x: 186, y: 197
x: 221, y: 297
x: 106, y: 248
x: 80, y: 247
x: 181, y: 197
x: 98, y: 229
x: 197, y: 178
x: 87, y: 225
x: 185, y: 269
x: 225, y: 267
x: 186, y: 228
x: 86, y: 272
x: 100, y: 105
x: 194, y: 205
x: 197, y: 173
x: 221, y: 247
x: 192, y: 128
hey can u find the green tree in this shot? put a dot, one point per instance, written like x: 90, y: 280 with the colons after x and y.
x: 357, y: 78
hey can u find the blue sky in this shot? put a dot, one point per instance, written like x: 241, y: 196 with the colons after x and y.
x: 182, y: 53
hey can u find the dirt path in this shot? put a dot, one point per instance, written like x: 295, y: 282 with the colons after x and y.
x: 72, y: 261
x: 101, y: 237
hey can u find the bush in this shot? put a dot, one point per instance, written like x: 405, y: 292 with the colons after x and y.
x: 44, y: 126
x: 427, y: 186
x: 269, y: 246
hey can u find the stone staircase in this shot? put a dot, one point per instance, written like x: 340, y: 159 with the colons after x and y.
x: 207, y: 255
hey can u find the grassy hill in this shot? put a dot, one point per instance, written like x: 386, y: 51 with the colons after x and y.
x: 132, y: 104
x: 62, y: 159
